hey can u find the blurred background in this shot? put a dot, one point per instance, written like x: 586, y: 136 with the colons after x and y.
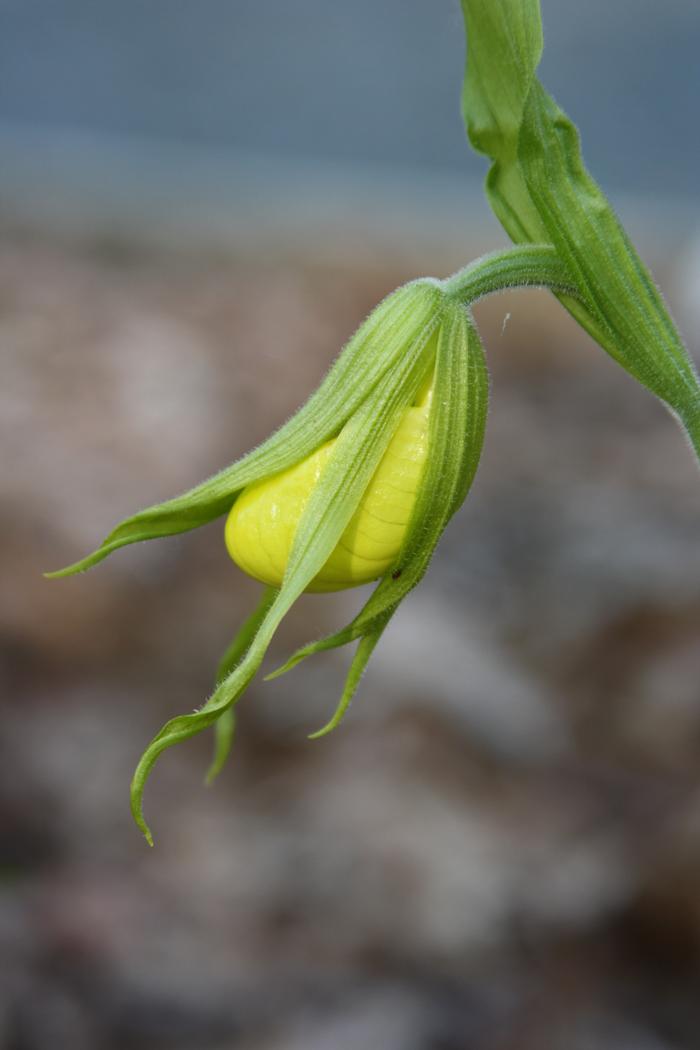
x: 500, y: 849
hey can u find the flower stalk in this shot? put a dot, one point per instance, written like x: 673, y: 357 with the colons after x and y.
x: 524, y: 266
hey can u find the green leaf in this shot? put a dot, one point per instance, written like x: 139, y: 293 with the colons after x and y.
x: 505, y: 43
x: 455, y: 439
x: 540, y: 190
x: 590, y: 239
x: 370, y: 353
x: 356, y: 453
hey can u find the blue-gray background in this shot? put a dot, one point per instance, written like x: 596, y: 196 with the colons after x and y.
x: 373, y: 81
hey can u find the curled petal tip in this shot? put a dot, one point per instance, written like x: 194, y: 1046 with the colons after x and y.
x: 324, y: 731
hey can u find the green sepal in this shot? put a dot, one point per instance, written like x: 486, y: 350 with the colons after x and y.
x: 371, y: 352
x: 225, y: 726
x: 356, y: 454
x: 359, y: 662
x: 455, y: 439
x: 541, y: 191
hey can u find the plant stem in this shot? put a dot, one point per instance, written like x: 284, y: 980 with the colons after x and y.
x: 529, y: 265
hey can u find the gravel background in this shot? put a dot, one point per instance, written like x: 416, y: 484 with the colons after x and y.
x: 500, y: 849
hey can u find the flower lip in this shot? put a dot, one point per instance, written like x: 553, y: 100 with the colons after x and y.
x: 260, y: 527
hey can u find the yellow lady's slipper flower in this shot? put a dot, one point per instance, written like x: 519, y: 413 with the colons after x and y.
x: 357, y: 486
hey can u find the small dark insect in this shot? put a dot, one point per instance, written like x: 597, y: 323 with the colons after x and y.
x: 395, y: 575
